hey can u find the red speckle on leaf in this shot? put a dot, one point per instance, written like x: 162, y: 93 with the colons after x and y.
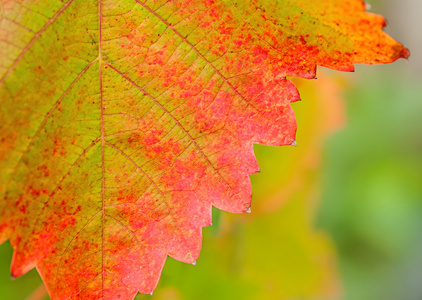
x: 44, y: 170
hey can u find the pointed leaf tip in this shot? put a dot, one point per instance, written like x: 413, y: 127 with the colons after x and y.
x: 248, y: 210
x: 194, y: 263
x: 294, y: 144
x: 405, y: 53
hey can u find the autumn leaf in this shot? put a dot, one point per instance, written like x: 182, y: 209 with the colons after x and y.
x: 123, y: 122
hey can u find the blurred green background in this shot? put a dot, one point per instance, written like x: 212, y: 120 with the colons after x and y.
x: 337, y: 217
x: 372, y: 189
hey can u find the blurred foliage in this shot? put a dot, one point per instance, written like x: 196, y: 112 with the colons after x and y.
x: 372, y: 200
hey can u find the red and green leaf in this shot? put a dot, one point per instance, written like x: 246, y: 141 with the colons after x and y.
x: 123, y: 122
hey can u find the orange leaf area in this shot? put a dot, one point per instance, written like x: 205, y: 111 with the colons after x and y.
x: 124, y: 122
